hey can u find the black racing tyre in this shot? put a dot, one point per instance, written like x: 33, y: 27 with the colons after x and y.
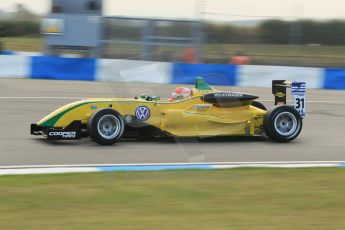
x: 259, y: 105
x: 283, y: 123
x: 106, y: 127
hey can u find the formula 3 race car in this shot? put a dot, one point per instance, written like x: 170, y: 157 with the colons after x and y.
x: 198, y: 112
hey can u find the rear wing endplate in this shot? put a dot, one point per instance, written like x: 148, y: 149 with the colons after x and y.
x: 298, y: 93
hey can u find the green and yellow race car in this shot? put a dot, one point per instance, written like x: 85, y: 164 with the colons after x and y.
x: 198, y: 112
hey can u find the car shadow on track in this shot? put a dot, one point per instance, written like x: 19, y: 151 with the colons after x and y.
x: 194, y: 139
x: 160, y: 140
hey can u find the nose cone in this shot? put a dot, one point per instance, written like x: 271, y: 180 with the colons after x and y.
x: 51, y: 119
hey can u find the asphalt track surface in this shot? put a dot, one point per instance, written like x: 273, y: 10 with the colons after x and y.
x: 26, y: 101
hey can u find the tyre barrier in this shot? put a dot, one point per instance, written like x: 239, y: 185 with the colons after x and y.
x: 128, y: 71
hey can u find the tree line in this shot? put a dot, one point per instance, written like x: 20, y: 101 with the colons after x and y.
x: 9, y: 28
x: 266, y: 32
x: 280, y: 32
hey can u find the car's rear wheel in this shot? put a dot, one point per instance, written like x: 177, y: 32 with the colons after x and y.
x: 106, y: 127
x: 283, y: 123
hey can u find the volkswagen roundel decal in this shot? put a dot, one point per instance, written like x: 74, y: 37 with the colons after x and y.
x: 142, y: 113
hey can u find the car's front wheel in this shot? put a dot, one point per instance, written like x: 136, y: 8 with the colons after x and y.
x: 106, y: 127
x: 283, y: 123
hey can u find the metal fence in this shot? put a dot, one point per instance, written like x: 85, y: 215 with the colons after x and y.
x: 150, y: 39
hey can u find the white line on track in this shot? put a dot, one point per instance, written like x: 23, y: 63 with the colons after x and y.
x: 80, y: 98
x: 177, y: 163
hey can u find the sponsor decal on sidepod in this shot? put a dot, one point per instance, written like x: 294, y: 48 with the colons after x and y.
x: 142, y: 113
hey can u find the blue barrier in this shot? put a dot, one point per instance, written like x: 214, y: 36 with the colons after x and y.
x: 62, y: 68
x: 58, y: 68
x: 7, y: 52
x: 214, y: 74
x: 334, y: 79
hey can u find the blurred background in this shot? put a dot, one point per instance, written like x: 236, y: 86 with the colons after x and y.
x: 289, y: 33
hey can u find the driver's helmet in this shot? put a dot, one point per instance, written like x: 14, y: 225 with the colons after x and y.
x: 181, y: 93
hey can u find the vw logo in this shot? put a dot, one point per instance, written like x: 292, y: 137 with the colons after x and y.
x: 142, y: 113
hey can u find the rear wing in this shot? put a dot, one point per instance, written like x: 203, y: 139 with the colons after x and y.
x: 298, y: 93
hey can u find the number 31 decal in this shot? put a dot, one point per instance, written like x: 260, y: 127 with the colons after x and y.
x: 298, y: 91
x: 299, y: 103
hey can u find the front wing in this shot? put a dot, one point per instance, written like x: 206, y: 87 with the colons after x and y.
x: 71, y: 132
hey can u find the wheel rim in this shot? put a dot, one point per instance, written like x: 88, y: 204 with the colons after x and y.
x: 285, y: 124
x: 109, y: 126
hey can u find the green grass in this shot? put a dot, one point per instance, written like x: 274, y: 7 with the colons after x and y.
x: 277, y: 50
x: 304, y: 55
x: 224, y: 199
x: 298, y: 55
x: 28, y: 44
